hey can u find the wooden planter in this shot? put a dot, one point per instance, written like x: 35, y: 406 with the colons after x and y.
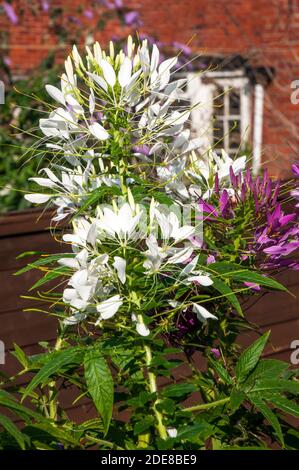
x: 29, y: 231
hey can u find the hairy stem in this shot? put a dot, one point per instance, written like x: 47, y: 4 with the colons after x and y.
x: 52, y: 394
x: 206, y: 406
x: 153, y: 388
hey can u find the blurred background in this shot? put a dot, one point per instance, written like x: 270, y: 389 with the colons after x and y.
x: 246, y: 50
x: 241, y: 59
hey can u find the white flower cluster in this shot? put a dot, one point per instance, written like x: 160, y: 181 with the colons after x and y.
x: 108, y: 110
x: 98, y: 283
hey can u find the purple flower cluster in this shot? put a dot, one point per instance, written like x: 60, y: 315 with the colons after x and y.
x: 273, y: 233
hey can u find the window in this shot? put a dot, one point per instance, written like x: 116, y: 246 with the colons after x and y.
x: 221, y: 109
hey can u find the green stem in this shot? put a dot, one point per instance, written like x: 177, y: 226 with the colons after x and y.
x: 206, y: 406
x: 52, y: 395
x: 153, y: 388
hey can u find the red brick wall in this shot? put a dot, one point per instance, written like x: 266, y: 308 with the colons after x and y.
x: 265, y: 32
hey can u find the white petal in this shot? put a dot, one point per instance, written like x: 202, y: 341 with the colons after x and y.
x: 202, y: 313
x: 108, y: 73
x: 74, y: 319
x: 69, y: 262
x: 55, y: 93
x: 172, y: 432
x: 109, y: 307
x: 47, y: 183
x: 120, y: 266
x: 99, y: 80
x: 124, y: 75
x: 202, y: 280
x: 155, y: 58
x: 98, y: 131
x: 92, y: 102
x: 142, y: 329
x: 181, y: 256
x: 37, y: 198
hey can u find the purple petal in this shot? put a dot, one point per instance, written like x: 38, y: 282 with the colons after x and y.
x: 88, y: 14
x: 216, y: 353
x: 10, y: 12
x: 252, y: 286
x: 295, y: 169
x: 131, y: 17
x: 211, y: 259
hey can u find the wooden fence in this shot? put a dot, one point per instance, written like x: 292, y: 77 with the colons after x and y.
x: 28, y: 231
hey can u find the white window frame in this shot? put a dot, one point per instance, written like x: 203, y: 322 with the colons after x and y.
x: 201, y: 95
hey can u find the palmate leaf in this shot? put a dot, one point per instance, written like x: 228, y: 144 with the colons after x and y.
x: 238, y: 273
x: 56, y: 361
x: 267, y: 369
x: 250, y: 357
x: 276, y: 385
x: 11, y: 428
x: 268, y: 414
x: 99, y: 383
x: 236, y: 399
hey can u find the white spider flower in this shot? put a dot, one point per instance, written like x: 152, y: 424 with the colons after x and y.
x: 203, y: 314
x: 141, y: 328
x: 190, y: 274
x: 108, y: 308
x: 204, y: 171
x: 117, y: 223
x: 170, y: 227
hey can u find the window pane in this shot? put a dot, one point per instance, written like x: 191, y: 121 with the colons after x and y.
x: 218, y: 133
x: 234, y: 134
x: 218, y: 101
x: 234, y: 102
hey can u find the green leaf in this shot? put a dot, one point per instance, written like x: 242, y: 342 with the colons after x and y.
x: 238, y: 273
x: 50, y: 276
x: 48, y: 259
x: 100, y: 384
x: 19, y: 354
x: 7, y: 401
x: 274, y: 385
x: 60, y: 435
x: 221, y: 371
x: 236, y: 399
x: 267, y: 368
x: 202, y: 430
x: 269, y: 415
x: 178, y: 390
x: 143, y: 425
x: 224, y: 289
x: 11, y: 428
x: 288, y: 406
x: 249, y: 358
x: 57, y: 361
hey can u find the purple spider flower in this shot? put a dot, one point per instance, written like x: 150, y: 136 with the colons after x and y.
x: 88, y: 14
x: 10, y: 12
x: 45, y: 5
x: 131, y: 18
x: 216, y: 353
